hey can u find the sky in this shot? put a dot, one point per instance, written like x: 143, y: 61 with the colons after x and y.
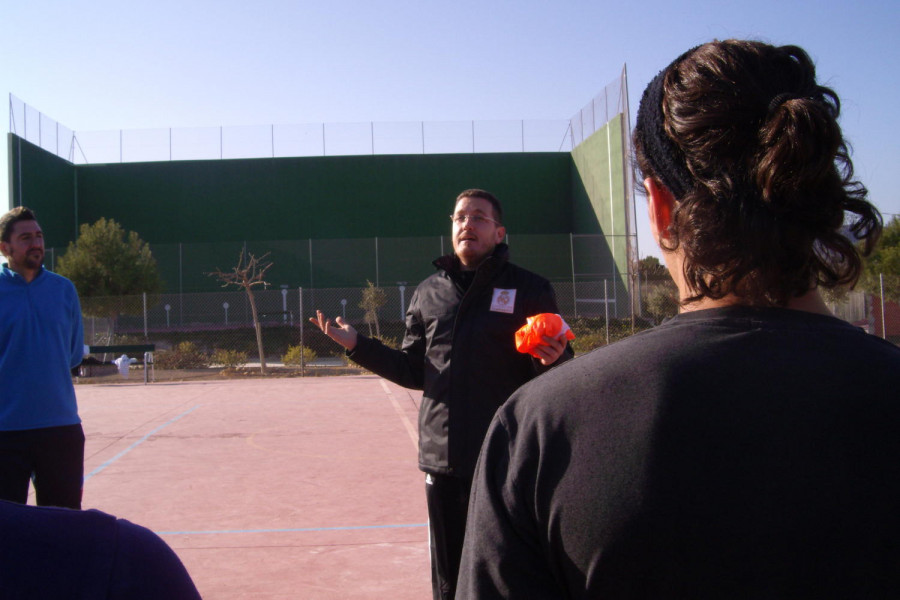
x: 104, y: 65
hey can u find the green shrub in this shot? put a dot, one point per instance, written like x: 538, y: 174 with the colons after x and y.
x: 185, y: 355
x: 229, y: 358
x: 295, y: 353
x: 591, y: 332
x: 661, y: 301
x: 587, y: 341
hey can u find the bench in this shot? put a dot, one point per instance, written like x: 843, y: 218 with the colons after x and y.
x: 144, y: 352
x: 124, y: 349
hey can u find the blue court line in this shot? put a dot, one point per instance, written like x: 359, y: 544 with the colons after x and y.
x: 136, y: 444
x: 297, y: 530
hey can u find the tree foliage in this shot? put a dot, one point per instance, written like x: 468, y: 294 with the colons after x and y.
x: 106, y: 260
x: 884, y: 261
x: 111, y: 269
x: 660, y: 300
x: 659, y: 296
x: 650, y: 269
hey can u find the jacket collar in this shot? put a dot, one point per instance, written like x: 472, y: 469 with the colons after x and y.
x: 10, y: 275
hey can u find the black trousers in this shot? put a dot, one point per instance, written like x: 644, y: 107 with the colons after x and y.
x: 51, y: 457
x: 448, y: 503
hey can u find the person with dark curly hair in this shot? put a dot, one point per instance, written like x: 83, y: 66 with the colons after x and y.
x: 750, y: 446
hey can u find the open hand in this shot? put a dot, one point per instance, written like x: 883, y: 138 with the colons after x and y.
x: 341, y: 332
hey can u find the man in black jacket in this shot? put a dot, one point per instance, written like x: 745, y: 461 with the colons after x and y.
x: 459, y: 348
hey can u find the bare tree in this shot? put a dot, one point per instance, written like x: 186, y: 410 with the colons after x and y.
x: 249, y: 272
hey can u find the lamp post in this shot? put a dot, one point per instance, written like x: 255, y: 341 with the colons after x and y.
x: 402, y: 289
x: 225, y: 306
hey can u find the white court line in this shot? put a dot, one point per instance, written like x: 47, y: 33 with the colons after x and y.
x: 136, y: 444
x: 290, y: 529
x: 410, y: 429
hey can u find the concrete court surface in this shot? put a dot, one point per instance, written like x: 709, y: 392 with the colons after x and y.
x: 269, y: 488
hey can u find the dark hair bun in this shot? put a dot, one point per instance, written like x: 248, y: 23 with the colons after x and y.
x: 773, y: 179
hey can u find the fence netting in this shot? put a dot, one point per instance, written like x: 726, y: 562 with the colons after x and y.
x: 218, y: 324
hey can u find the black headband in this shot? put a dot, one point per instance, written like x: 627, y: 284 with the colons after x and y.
x: 664, y: 156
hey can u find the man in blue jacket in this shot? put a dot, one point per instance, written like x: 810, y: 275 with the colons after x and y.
x: 459, y: 348
x: 41, y: 341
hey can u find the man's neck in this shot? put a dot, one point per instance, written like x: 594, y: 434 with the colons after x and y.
x: 27, y: 274
x: 471, y: 266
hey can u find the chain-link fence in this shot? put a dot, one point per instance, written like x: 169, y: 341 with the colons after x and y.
x: 871, y: 312
x: 219, y: 323
x: 274, y: 141
x: 613, y: 100
x: 350, y: 262
x: 317, y: 139
x: 223, y: 321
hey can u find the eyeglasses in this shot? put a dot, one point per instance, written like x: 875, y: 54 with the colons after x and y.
x: 476, y: 220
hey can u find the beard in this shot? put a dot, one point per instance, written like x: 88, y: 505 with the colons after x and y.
x: 33, y: 259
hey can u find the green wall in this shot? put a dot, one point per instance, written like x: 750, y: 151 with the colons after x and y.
x: 598, y: 189
x: 46, y: 184
x: 321, y: 215
x: 321, y: 197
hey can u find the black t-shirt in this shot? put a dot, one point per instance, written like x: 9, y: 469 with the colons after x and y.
x: 729, y: 453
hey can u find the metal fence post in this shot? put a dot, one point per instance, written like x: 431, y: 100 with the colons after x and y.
x: 572, y: 260
x: 302, y: 327
x: 180, y: 285
x: 606, y: 310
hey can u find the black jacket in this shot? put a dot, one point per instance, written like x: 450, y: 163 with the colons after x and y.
x: 459, y: 348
